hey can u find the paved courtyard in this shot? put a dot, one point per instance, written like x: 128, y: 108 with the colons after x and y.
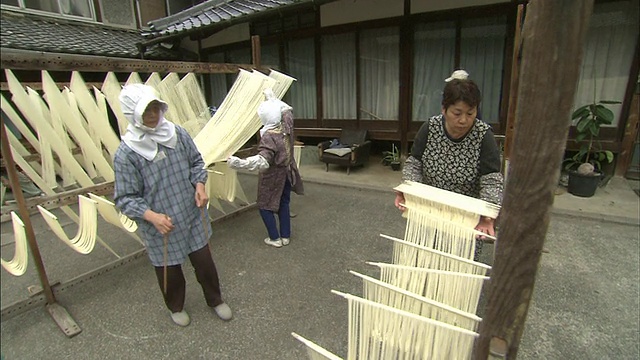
x: 585, y: 304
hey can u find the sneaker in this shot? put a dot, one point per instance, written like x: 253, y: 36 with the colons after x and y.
x: 223, y: 311
x: 181, y: 318
x: 275, y: 243
x: 285, y: 241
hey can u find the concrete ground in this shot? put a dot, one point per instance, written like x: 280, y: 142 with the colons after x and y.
x: 585, y: 304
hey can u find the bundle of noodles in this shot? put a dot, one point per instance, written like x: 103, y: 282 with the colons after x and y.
x: 442, y: 219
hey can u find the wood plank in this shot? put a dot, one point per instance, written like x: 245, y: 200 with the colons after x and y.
x: 51, y: 202
x: 540, y: 135
x: 37, y: 60
x: 4, y: 86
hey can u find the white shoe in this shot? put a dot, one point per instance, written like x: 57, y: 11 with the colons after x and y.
x: 181, y: 318
x: 275, y: 243
x: 223, y: 311
x: 285, y: 241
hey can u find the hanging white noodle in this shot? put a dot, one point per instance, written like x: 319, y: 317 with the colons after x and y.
x: 399, y: 298
x: 410, y: 254
x: 456, y: 289
x: 108, y: 211
x: 18, y: 265
x: 236, y: 120
x: 314, y: 351
x: 442, y: 219
x: 85, y: 238
x: 196, y: 112
x: 111, y: 90
x: 96, y: 117
x: 93, y: 155
x: 381, y: 332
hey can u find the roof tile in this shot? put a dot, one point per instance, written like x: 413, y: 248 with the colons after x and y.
x: 213, y: 12
x: 37, y: 33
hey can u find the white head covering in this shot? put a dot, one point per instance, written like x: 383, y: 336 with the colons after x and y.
x: 458, y: 74
x: 142, y: 139
x: 270, y: 111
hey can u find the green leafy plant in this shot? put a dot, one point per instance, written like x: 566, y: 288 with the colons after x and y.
x: 392, y: 156
x: 589, y: 119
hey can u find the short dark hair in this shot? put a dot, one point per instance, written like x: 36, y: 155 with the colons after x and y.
x: 465, y: 90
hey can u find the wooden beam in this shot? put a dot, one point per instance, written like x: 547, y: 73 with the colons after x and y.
x: 36, y: 60
x: 58, y: 200
x: 36, y: 157
x: 4, y: 86
x: 554, y: 35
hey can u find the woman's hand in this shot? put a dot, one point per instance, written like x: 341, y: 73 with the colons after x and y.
x: 201, y: 195
x: 162, y: 222
x: 487, y: 226
x: 400, y: 200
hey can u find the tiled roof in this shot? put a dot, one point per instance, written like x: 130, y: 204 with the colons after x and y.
x: 214, y: 12
x: 30, y: 32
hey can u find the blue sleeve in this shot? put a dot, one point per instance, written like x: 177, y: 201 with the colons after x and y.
x: 128, y: 187
x: 197, y: 173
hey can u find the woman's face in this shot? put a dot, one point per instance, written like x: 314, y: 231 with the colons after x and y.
x: 151, y: 115
x: 459, y: 118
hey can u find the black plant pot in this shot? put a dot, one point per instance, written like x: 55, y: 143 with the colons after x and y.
x: 395, y: 166
x: 583, y: 185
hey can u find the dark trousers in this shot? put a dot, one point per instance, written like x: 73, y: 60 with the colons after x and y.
x: 206, y: 274
x: 284, y: 216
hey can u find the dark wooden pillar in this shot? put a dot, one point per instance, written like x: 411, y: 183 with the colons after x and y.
x: 513, y: 84
x: 554, y: 34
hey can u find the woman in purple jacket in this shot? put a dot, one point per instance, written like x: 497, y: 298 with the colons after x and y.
x: 279, y: 173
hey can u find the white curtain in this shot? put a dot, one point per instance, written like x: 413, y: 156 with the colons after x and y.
x: 217, y: 82
x: 77, y: 7
x: 379, y: 73
x: 339, y: 76
x: 237, y: 56
x: 301, y: 64
x: 433, y: 61
x: 51, y: 6
x: 608, y: 53
x: 269, y: 55
x: 482, y: 55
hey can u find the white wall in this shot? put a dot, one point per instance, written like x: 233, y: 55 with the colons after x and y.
x: 233, y: 34
x: 420, y: 6
x: 350, y: 11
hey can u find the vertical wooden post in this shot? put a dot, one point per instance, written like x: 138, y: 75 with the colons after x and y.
x: 59, y: 314
x: 16, y: 189
x: 255, y: 59
x: 513, y: 87
x: 255, y: 51
x: 553, y: 40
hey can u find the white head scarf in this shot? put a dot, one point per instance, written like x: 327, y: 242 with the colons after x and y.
x: 142, y: 139
x: 458, y: 74
x: 270, y: 111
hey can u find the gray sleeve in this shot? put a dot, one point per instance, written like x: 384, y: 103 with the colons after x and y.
x: 491, y: 188
x: 489, y: 155
x: 412, y: 169
x: 252, y: 163
x: 491, y: 180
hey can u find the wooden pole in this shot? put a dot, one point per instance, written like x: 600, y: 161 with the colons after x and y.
x: 16, y: 189
x: 513, y: 87
x: 256, y: 50
x: 553, y: 39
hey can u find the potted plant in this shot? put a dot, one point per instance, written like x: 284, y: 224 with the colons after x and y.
x: 392, y: 157
x: 586, y: 165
